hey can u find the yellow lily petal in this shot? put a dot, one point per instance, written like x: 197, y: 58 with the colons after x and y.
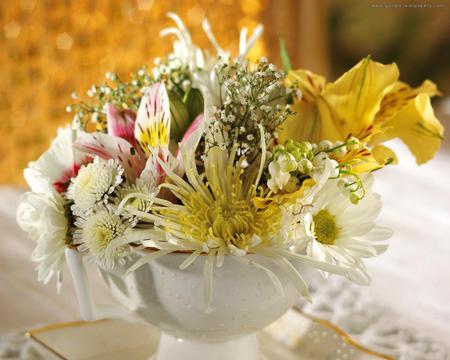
x: 398, y: 98
x: 361, y: 161
x: 384, y: 155
x: 311, y: 85
x: 262, y: 202
x: 345, y: 107
x: 307, y: 123
x: 304, y: 123
x: 416, y: 125
x: 356, y: 96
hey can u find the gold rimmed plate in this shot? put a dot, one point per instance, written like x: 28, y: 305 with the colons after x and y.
x: 295, y: 336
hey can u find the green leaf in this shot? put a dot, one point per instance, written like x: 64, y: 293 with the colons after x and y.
x: 285, y: 56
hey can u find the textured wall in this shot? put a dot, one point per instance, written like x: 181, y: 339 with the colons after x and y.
x: 51, y: 48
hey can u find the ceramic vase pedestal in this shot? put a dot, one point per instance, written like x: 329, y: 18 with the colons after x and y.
x: 244, y: 301
x: 245, y: 347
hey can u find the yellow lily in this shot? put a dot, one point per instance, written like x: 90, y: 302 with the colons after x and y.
x: 367, y: 102
x: 268, y: 198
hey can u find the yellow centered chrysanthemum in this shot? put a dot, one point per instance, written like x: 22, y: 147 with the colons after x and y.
x: 218, y: 211
x: 224, y: 222
x: 325, y: 227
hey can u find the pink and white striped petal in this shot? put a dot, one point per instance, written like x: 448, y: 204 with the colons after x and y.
x: 193, y: 134
x: 110, y: 147
x: 121, y: 123
x: 152, y: 129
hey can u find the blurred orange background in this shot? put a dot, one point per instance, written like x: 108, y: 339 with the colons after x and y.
x: 51, y: 48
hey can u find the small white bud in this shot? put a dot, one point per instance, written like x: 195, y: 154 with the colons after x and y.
x: 353, y: 143
x: 325, y: 145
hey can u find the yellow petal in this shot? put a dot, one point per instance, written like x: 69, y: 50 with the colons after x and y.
x: 356, y: 96
x: 361, y: 161
x: 311, y: 85
x: 262, y: 202
x: 305, y: 123
x: 384, y: 155
x: 345, y: 107
x: 398, y: 98
x: 416, y: 125
x: 310, y: 122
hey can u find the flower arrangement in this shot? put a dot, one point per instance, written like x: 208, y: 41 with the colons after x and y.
x: 220, y: 156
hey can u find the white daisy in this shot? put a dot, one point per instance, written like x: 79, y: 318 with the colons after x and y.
x: 342, y: 233
x: 93, y: 184
x: 95, y: 234
x: 44, y: 218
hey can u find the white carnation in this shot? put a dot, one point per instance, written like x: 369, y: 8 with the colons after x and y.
x: 44, y: 218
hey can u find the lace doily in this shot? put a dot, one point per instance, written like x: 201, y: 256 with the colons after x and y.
x: 372, y: 325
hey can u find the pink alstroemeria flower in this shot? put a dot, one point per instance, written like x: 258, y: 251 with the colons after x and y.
x: 138, y: 141
x: 54, y: 169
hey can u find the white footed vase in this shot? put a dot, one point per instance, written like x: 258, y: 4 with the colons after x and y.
x: 244, y: 300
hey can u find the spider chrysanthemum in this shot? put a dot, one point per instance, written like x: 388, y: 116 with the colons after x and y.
x: 218, y: 212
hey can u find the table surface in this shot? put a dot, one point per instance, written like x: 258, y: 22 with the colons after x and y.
x: 412, y: 278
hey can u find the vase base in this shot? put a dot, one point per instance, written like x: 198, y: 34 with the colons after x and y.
x: 173, y: 348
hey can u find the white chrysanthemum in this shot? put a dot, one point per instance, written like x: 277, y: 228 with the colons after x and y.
x: 44, y: 218
x: 342, y: 233
x: 95, y: 234
x: 93, y: 184
x: 135, y: 201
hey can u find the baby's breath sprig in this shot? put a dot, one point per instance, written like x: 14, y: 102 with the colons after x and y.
x: 251, y: 95
x: 176, y: 75
x: 122, y: 94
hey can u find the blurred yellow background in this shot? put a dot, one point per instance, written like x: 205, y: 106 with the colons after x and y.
x: 50, y: 48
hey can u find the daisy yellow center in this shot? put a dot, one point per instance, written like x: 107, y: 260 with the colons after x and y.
x: 325, y: 227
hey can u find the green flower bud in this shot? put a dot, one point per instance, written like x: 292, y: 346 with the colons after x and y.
x: 354, y: 199
x: 353, y: 143
x: 289, y: 143
x: 306, y: 146
x: 339, y: 151
x: 297, y: 154
x: 288, y: 164
x: 305, y: 166
x: 179, y: 121
x: 325, y: 145
x: 194, y: 103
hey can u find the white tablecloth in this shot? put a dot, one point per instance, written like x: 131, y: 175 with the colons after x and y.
x: 412, y: 278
